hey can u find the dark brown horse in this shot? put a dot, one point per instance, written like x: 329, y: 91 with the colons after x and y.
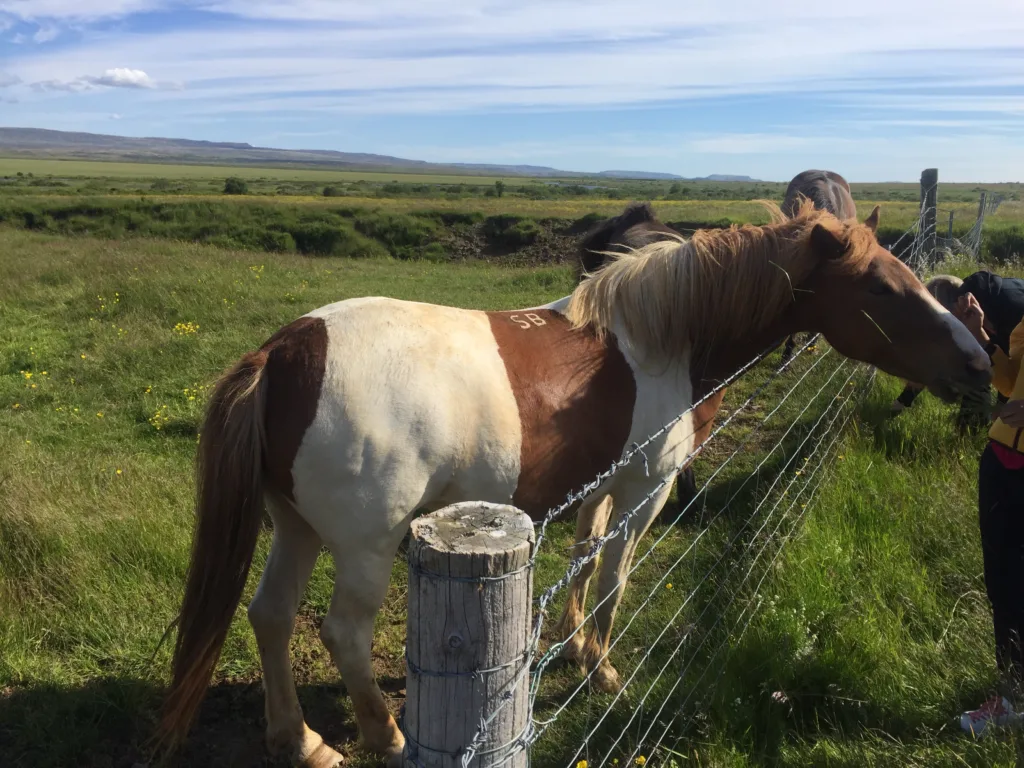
x: 829, y: 192
x: 826, y: 189
x: 633, y: 228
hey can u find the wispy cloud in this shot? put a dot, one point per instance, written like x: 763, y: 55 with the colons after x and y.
x: 46, y: 33
x: 119, y: 77
x: 7, y: 79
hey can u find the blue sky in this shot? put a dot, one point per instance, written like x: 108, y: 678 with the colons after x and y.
x: 875, y: 90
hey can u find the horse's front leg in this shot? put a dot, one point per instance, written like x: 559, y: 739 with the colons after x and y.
x: 591, y: 522
x: 616, y: 561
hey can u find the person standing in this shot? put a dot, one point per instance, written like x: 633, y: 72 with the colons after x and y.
x: 1001, y: 517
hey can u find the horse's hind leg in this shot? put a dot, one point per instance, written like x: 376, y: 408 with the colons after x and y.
x: 616, y: 561
x: 360, y: 584
x: 591, y: 522
x: 272, y: 615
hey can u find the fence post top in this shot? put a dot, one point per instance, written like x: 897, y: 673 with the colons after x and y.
x: 474, y: 527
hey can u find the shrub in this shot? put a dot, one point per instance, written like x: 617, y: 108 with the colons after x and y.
x: 235, y: 186
x: 510, y: 231
x: 319, y: 238
x: 403, y: 235
x: 332, y: 191
x: 279, y: 242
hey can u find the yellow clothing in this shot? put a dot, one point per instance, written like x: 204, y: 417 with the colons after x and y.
x: 1005, y: 379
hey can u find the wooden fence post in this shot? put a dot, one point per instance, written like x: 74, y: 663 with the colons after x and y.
x: 929, y: 199
x: 468, y: 635
x: 949, y: 232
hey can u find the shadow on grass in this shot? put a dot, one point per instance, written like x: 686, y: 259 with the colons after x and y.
x: 107, y: 722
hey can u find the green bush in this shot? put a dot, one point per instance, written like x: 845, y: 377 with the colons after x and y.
x: 403, y: 235
x: 278, y: 242
x: 509, y: 230
x: 235, y: 186
x: 319, y: 238
x: 332, y: 191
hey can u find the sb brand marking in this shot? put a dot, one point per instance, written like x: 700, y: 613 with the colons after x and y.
x: 528, y: 320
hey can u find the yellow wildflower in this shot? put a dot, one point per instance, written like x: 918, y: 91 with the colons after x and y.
x: 119, y: 471
x: 669, y: 585
x: 16, y: 406
x: 581, y: 764
x: 99, y: 415
x: 641, y: 760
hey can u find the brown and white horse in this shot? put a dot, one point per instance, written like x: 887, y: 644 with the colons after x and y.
x: 827, y: 191
x: 634, y: 228
x: 359, y: 413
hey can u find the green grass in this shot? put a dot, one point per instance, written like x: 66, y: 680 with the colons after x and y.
x: 10, y: 166
x: 873, y: 624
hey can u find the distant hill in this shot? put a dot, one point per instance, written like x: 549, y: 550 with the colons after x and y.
x: 39, y: 142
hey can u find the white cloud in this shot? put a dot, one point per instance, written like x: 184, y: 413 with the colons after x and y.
x: 46, y: 33
x: 7, y: 79
x: 121, y: 77
x: 115, y: 116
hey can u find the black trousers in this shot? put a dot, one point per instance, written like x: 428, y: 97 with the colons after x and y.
x: 1001, y: 518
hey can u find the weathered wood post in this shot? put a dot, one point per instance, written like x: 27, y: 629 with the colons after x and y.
x: 470, y: 590
x: 929, y: 199
x: 949, y: 231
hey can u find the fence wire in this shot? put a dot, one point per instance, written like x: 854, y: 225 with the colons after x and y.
x: 664, y: 689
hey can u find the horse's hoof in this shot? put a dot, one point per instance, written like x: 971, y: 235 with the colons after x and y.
x: 323, y: 757
x: 393, y: 757
x: 606, y: 679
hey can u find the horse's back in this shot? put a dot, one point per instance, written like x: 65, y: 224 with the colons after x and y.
x: 415, y: 398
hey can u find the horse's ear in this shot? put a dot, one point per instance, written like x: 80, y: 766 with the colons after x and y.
x: 826, y: 243
x: 871, y: 222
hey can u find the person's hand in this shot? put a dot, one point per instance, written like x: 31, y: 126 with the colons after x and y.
x: 969, y: 312
x: 1012, y: 414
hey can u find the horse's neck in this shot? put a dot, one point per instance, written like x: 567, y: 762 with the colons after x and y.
x: 717, y: 362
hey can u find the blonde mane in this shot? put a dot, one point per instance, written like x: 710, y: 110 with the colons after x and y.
x: 718, y: 286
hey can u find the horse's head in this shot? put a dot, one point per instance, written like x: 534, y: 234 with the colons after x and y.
x: 871, y: 307
x: 826, y: 190
x: 635, y: 227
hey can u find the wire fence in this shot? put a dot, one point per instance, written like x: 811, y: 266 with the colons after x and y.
x: 923, y: 245
x: 695, y: 584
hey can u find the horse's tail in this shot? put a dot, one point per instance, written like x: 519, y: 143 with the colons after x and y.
x: 229, y: 512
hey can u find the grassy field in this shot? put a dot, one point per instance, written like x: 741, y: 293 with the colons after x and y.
x: 74, y: 176
x: 11, y: 166
x: 873, y: 624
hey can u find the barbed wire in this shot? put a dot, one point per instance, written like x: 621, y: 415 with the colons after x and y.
x: 534, y: 664
x: 726, y: 550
